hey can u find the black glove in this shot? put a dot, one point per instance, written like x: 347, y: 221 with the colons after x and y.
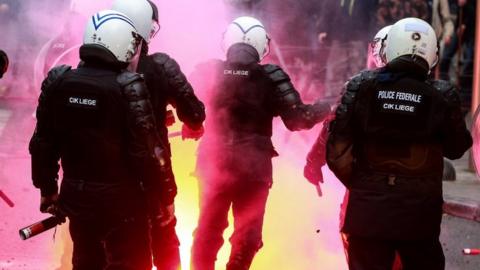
x: 48, y: 204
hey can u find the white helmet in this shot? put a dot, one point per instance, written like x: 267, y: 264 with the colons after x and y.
x: 250, y: 31
x: 115, y: 32
x: 377, y: 45
x: 412, y: 36
x: 143, y: 13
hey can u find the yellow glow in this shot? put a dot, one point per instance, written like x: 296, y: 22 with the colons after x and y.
x: 294, y: 212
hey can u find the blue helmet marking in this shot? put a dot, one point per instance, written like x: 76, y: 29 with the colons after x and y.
x: 99, y: 20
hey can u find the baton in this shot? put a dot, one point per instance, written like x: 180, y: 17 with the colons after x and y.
x: 174, y: 134
x: 471, y: 251
x: 6, y: 199
x: 319, y: 190
x: 40, y: 227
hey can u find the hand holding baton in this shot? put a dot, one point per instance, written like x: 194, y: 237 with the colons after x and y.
x: 41, y: 226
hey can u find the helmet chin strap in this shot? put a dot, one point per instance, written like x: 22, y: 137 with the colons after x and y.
x: 266, y: 50
x: 381, y: 52
x: 438, y: 56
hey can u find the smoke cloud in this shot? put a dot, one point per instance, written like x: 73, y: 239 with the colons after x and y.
x: 300, y: 230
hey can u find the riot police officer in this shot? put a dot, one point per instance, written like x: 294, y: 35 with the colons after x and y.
x: 167, y: 85
x: 3, y: 63
x: 386, y: 144
x: 98, y: 121
x: 234, y: 157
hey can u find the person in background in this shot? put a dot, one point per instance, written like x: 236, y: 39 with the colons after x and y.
x: 3, y: 63
x: 461, y: 44
x: 345, y: 26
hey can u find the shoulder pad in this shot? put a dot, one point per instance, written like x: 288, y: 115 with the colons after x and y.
x: 353, y: 85
x: 442, y: 85
x: 167, y: 64
x: 127, y: 77
x: 160, y: 58
x: 54, y: 74
x: 275, y: 73
x: 269, y: 68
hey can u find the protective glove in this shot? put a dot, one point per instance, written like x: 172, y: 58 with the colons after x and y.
x: 48, y: 204
x: 188, y: 133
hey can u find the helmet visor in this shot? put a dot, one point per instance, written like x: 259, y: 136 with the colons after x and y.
x: 133, y: 48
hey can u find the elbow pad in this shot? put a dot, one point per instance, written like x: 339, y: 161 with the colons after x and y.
x: 289, y: 105
x: 303, y: 116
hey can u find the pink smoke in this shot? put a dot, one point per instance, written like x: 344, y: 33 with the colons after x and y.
x: 191, y: 33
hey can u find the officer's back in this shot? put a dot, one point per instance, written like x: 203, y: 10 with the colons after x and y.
x: 245, y: 96
x: 401, y: 126
x: 387, y: 143
x: 242, y: 102
x: 91, y: 124
x: 98, y: 122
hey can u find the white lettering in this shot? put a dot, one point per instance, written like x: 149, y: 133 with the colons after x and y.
x: 398, y: 107
x: 236, y: 72
x: 409, y: 97
x: 82, y: 101
x: 398, y: 95
x: 386, y: 94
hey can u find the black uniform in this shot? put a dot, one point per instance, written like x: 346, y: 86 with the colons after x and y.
x: 386, y: 144
x: 98, y: 121
x: 168, y: 85
x: 234, y: 162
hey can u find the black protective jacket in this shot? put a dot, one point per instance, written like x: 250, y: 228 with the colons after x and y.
x: 98, y: 121
x: 242, y: 103
x: 391, y: 131
x: 168, y: 85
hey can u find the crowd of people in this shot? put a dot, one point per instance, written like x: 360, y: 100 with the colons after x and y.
x: 337, y: 32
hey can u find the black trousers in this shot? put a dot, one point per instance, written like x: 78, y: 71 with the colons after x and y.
x: 110, y: 244
x: 248, y: 200
x: 375, y: 254
x: 165, y: 246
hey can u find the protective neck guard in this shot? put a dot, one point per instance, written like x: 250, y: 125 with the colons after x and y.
x: 96, y: 55
x: 409, y: 64
x: 242, y: 53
